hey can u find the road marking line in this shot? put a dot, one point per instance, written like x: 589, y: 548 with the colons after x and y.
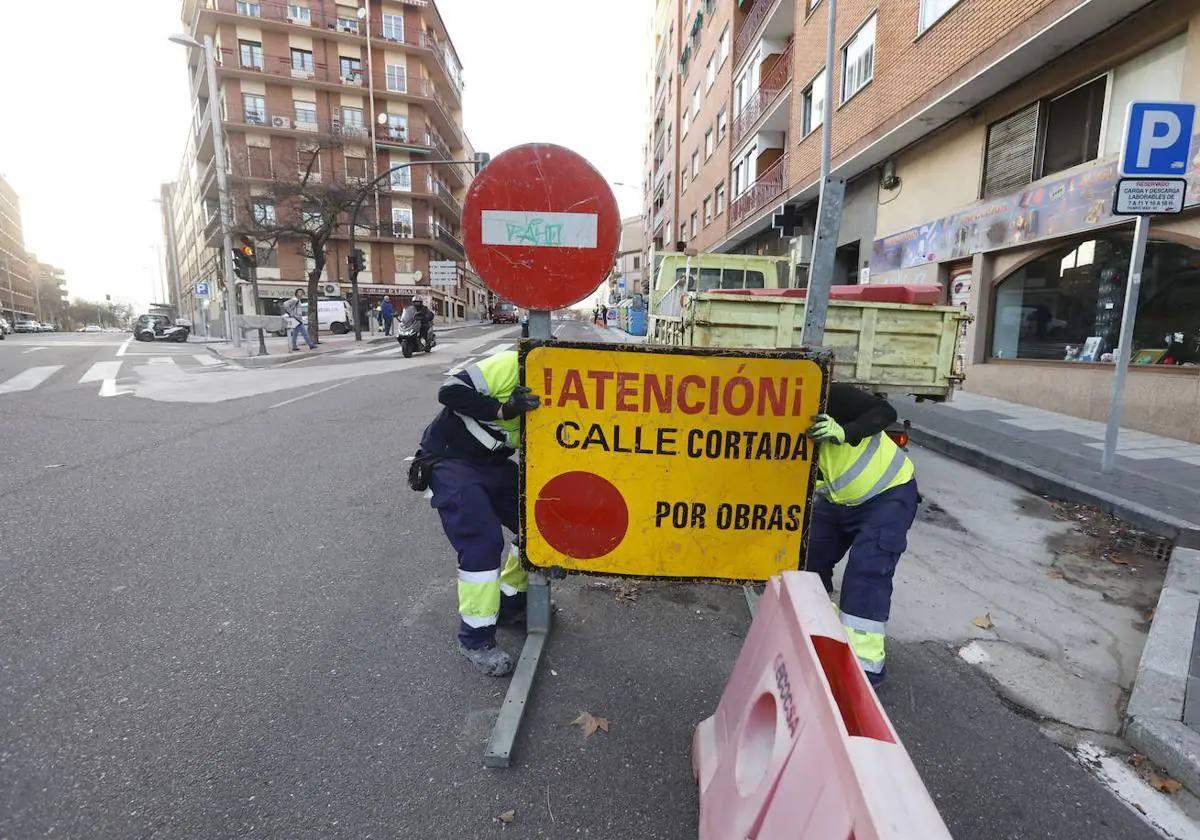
x: 29, y: 379
x: 508, y: 345
x: 33, y: 350
x: 161, y: 360
x: 207, y: 360
x: 108, y: 388
x: 461, y: 366
x: 124, y: 346
x: 358, y: 352
x: 100, y: 371
x: 306, y: 396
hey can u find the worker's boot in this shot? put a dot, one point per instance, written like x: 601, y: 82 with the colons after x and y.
x: 492, y: 661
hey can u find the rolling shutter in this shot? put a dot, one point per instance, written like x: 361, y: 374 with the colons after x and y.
x: 1011, y: 156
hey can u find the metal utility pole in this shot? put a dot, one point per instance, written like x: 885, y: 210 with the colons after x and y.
x: 1133, y: 290
x: 829, y: 208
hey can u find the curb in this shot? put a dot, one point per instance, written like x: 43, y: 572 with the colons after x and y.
x: 1041, y: 481
x: 276, y: 358
x: 1154, y: 718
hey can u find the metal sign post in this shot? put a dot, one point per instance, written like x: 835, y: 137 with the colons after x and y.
x: 541, y: 227
x: 1154, y: 152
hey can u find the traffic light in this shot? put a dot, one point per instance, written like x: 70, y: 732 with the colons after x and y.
x: 482, y: 159
x: 357, y: 260
x: 244, y: 261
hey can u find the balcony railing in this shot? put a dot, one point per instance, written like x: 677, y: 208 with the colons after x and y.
x: 278, y: 11
x: 762, y: 99
x: 287, y: 122
x: 769, y: 185
x: 420, y: 230
x: 750, y: 27
x: 447, y: 198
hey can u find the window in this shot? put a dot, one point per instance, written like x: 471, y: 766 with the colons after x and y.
x: 306, y: 113
x: 695, y: 164
x: 250, y: 9
x: 637, y: 263
x: 402, y: 221
x: 302, y: 60
x: 723, y: 46
x: 683, y: 181
x: 931, y: 12
x: 259, y: 159
x: 812, y: 4
x: 1010, y: 156
x: 397, y: 127
x: 722, y: 125
x: 695, y: 223
x: 252, y: 54
x: 741, y: 89
x: 396, y: 80
x: 708, y: 144
x: 813, y: 115
x: 264, y: 213
x: 401, y: 179
x: 393, y: 27
x: 306, y: 155
x: 684, y: 122
x: 696, y: 102
x: 255, y: 108
x: 1072, y: 128
x: 738, y: 179
x: 1067, y: 305
x: 858, y: 60
x: 299, y: 14
x: 682, y: 231
x: 719, y: 197
x: 351, y: 69
x: 708, y: 216
x: 352, y: 117
x: 710, y: 72
x: 356, y: 167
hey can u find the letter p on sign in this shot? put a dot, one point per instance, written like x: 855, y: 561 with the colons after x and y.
x: 1158, y: 139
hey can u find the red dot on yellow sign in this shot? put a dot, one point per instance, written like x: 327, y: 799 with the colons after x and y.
x: 581, y: 514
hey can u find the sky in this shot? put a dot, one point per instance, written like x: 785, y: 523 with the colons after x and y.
x: 88, y: 144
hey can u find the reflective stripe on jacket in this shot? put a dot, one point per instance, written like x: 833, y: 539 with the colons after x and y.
x: 857, y: 473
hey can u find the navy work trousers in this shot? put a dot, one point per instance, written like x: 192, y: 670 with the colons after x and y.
x: 476, y: 502
x: 876, y: 534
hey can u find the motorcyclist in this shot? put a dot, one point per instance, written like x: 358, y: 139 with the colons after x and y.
x: 422, y: 315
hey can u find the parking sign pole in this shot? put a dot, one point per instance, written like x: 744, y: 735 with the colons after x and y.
x: 1124, y: 350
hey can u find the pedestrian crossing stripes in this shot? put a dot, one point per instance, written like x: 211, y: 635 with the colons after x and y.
x: 101, y: 371
x: 29, y: 379
x: 207, y: 361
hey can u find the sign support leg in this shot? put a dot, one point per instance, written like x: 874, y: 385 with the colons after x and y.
x: 1124, y: 352
x: 537, y: 632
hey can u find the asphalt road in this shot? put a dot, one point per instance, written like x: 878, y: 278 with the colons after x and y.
x: 233, y: 619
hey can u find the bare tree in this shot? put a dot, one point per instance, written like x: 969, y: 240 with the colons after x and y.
x: 311, y: 207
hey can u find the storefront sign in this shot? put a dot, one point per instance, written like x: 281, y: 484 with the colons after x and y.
x: 1047, y: 209
x: 1149, y: 197
x: 669, y: 463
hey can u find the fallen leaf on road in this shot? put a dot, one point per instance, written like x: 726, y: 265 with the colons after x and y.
x: 1165, y: 784
x: 589, y: 723
x: 1056, y: 575
x: 1137, y: 759
x: 1120, y: 561
x: 1150, y: 614
x: 984, y: 622
x: 505, y: 817
x: 628, y: 593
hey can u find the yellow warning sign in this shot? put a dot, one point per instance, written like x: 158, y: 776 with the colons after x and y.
x: 665, y: 462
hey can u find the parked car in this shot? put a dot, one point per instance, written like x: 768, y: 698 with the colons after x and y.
x: 28, y: 327
x: 332, y: 316
x: 47, y: 327
x: 90, y: 328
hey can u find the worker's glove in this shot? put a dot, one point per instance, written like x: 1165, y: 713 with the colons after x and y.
x: 826, y: 430
x: 522, y: 400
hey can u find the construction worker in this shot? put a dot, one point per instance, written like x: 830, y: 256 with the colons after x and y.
x: 474, y: 485
x: 867, y: 501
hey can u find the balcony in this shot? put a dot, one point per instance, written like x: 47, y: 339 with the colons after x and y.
x: 286, y: 123
x: 769, y: 186
x: 423, y: 91
x: 773, y: 84
x: 274, y: 11
x: 437, y: 235
x: 772, y: 19
x: 444, y: 195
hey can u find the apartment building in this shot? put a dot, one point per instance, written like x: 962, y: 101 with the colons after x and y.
x: 337, y: 93
x: 49, y: 291
x: 16, y: 286
x: 978, y: 140
x: 627, y: 275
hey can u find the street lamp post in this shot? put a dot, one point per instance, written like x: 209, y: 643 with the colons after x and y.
x: 362, y: 196
x: 225, y: 211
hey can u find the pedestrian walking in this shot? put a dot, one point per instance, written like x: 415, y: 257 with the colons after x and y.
x: 387, y: 313
x: 466, y: 455
x: 293, y: 308
x: 867, y: 502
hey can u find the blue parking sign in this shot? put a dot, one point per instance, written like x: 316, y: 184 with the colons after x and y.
x: 201, y: 290
x: 1158, y: 136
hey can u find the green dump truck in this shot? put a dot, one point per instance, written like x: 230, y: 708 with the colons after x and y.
x: 899, y: 343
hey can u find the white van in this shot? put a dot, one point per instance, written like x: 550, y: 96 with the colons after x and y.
x: 332, y: 316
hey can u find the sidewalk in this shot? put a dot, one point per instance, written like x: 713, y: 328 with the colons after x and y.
x: 1155, y: 485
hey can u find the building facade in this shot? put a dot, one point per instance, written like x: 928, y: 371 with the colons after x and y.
x: 49, y: 291
x: 322, y: 97
x: 16, y: 284
x: 627, y: 274
x: 978, y: 140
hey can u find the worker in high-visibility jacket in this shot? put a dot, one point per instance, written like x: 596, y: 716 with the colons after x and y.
x: 474, y: 485
x: 867, y: 501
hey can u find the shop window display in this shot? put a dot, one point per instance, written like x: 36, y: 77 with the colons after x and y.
x: 1067, y: 305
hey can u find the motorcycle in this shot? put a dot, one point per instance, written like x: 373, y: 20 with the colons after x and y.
x: 409, y: 336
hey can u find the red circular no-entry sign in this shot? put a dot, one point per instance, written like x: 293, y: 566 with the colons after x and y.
x: 541, y: 226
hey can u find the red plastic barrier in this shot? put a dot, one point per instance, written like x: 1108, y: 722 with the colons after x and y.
x: 920, y: 294
x: 800, y: 747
